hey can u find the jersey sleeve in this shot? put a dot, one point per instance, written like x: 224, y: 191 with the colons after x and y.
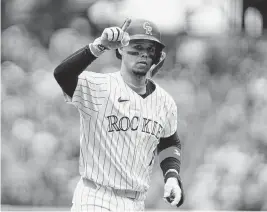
x: 171, y: 119
x: 90, y: 92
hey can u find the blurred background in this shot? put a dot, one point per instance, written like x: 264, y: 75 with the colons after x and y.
x: 215, y: 71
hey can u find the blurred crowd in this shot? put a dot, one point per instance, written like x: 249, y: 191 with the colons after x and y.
x: 219, y: 84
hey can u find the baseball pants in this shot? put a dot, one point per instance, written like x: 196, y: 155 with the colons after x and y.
x: 89, y: 196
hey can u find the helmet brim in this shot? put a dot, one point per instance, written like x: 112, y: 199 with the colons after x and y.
x: 146, y: 37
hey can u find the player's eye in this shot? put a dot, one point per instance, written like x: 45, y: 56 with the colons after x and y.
x: 138, y: 47
x: 151, y: 49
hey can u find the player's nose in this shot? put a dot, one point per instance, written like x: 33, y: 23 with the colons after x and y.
x: 144, y: 54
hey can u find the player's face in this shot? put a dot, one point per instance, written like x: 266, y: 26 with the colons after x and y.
x: 138, y: 56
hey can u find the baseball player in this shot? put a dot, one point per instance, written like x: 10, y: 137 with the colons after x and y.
x: 126, y: 119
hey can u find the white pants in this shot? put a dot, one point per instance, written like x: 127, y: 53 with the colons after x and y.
x: 99, y: 198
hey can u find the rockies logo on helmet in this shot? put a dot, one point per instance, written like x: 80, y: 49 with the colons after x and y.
x: 148, y: 28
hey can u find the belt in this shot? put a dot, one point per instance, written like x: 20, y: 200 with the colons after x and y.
x: 120, y: 192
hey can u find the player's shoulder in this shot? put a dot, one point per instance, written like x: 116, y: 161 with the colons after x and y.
x: 114, y: 75
x: 94, y: 77
x: 91, y: 74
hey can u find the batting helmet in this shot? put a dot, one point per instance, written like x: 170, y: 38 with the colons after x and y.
x: 141, y: 29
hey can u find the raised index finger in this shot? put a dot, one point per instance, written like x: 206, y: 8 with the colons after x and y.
x: 126, y: 24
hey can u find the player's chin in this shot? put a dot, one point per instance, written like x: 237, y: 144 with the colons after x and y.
x: 140, y: 71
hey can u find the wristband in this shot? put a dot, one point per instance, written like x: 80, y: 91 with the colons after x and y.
x: 97, y: 48
x: 171, y: 173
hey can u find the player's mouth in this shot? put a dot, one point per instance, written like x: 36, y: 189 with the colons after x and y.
x: 143, y: 62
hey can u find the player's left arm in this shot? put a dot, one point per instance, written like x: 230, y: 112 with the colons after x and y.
x: 169, y: 152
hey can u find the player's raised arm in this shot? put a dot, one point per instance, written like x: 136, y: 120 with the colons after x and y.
x: 67, y: 72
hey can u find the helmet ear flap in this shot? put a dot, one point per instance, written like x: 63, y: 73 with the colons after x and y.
x: 157, y: 55
x: 118, y: 55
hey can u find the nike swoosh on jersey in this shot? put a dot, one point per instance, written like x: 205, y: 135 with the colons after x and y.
x: 122, y: 100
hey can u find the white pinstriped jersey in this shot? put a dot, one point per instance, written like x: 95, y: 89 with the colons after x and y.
x: 120, y: 130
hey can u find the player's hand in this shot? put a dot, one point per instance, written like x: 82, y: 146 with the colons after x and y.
x: 172, y: 191
x: 111, y: 38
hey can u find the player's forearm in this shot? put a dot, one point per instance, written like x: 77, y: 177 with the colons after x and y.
x: 67, y: 72
x: 169, y: 151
